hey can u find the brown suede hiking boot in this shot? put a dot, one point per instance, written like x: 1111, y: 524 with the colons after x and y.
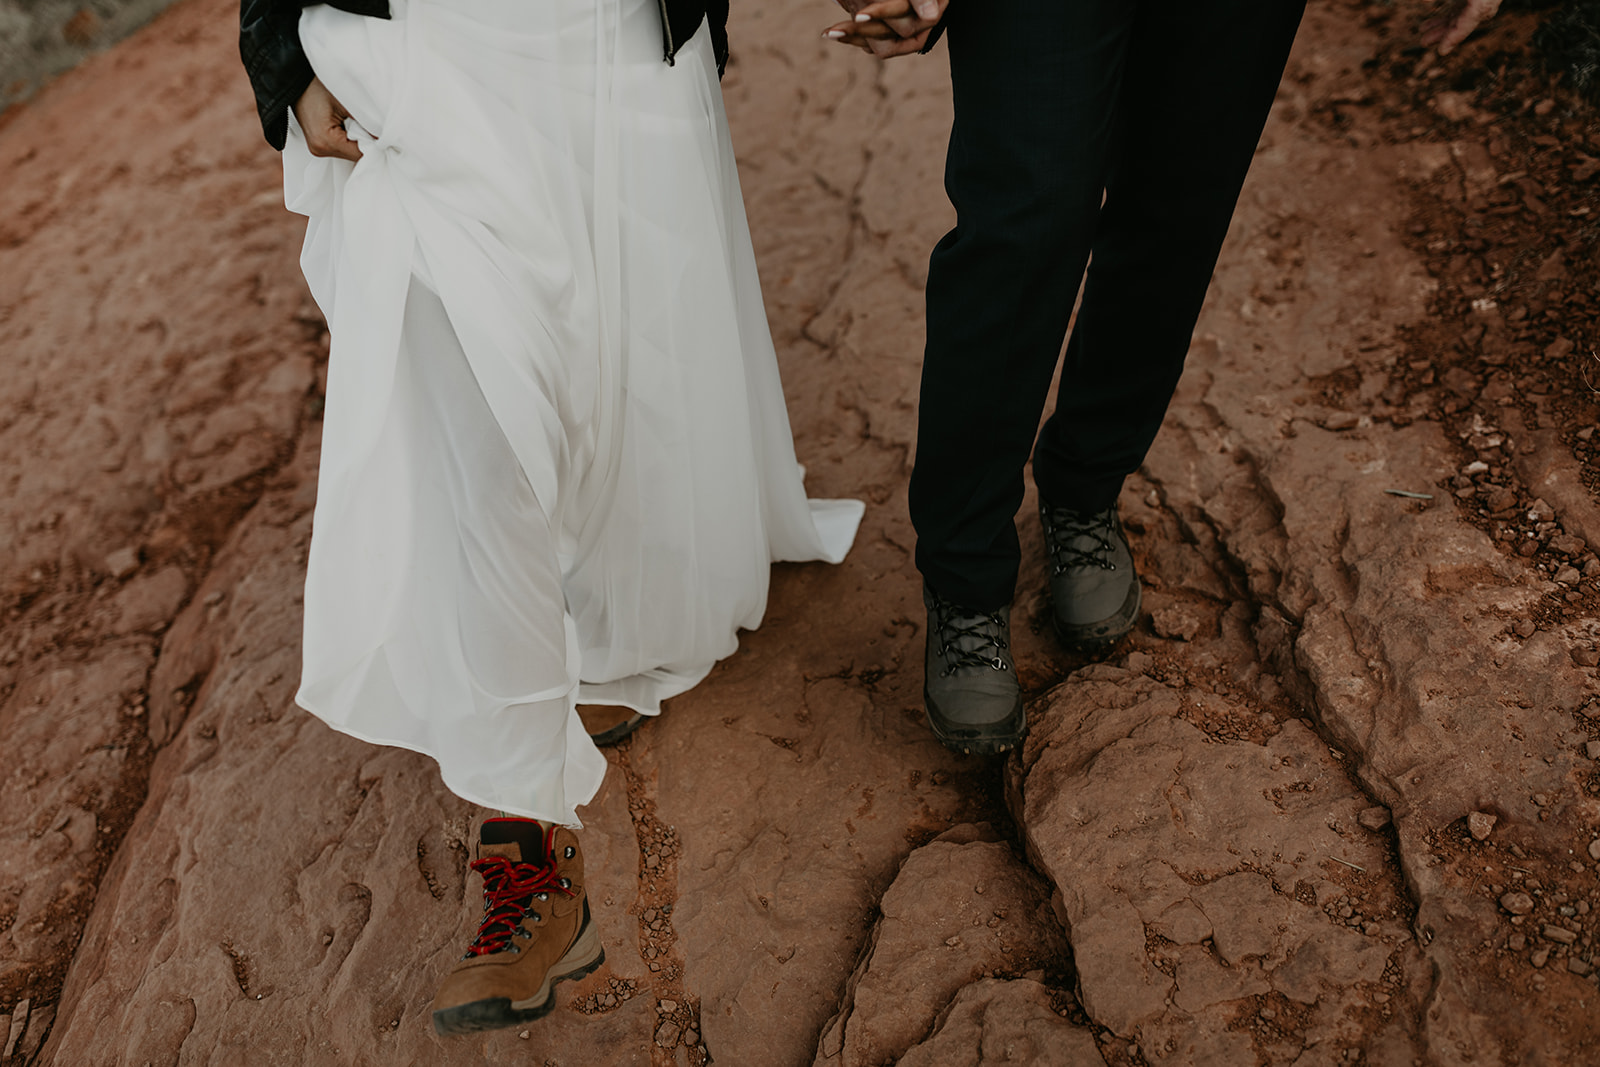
x: 536, y: 929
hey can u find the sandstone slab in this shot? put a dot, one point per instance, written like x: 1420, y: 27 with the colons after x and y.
x: 118, y: 354
x: 1201, y: 878
x: 994, y: 1022
x: 955, y: 914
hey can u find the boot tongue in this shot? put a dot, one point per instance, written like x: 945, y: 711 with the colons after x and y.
x: 518, y: 840
x: 978, y: 636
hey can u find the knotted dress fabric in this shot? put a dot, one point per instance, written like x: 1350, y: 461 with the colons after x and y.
x: 556, y: 463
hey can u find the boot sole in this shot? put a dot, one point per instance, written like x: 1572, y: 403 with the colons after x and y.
x: 496, y: 1013
x: 977, y: 746
x: 1099, y: 636
x: 617, y: 732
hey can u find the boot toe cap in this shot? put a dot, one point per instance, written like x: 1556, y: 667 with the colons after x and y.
x: 983, y: 722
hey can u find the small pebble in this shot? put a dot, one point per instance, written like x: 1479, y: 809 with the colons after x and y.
x: 122, y: 562
x: 668, y: 1007
x: 1374, y: 818
x: 1525, y: 627
x: 523, y: 1034
x: 1516, y: 943
x: 1594, y: 849
x: 1480, y: 823
x: 1559, y: 933
x: 1592, y: 749
x: 1586, y: 657
x: 1579, y: 967
x: 1517, y: 903
x: 1540, y: 956
x: 19, y: 1023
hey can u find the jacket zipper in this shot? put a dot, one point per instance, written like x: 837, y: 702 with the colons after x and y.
x: 666, y: 34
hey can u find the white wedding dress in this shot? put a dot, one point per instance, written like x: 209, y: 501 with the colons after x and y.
x: 556, y: 464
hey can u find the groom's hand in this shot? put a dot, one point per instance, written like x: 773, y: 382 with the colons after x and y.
x: 888, y: 28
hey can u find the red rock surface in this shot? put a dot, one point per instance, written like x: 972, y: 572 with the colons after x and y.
x: 962, y: 908
x: 1244, y: 839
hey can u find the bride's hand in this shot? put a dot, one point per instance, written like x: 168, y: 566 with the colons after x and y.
x: 322, y: 117
x: 889, y: 27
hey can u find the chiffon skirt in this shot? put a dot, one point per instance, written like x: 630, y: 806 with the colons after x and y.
x: 556, y: 464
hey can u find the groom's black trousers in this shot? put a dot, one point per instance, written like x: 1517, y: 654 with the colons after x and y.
x: 1117, y: 128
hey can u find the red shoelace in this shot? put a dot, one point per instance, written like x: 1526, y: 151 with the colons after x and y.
x: 508, y: 890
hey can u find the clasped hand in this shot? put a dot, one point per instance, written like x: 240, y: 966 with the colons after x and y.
x: 888, y: 27
x: 321, y: 119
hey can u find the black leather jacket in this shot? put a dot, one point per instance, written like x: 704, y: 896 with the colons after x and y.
x: 269, y: 44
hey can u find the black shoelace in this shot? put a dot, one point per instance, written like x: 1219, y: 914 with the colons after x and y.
x: 1062, y: 528
x: 952, y: 624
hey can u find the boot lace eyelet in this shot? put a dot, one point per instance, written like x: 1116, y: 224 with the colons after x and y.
x: 963, y: 638
x: 571, y: 852
x: 566, y: 883
x: 510, y: 889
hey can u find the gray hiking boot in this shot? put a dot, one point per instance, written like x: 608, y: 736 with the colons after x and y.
x: 1094, y: 589
x: 970, y: 686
